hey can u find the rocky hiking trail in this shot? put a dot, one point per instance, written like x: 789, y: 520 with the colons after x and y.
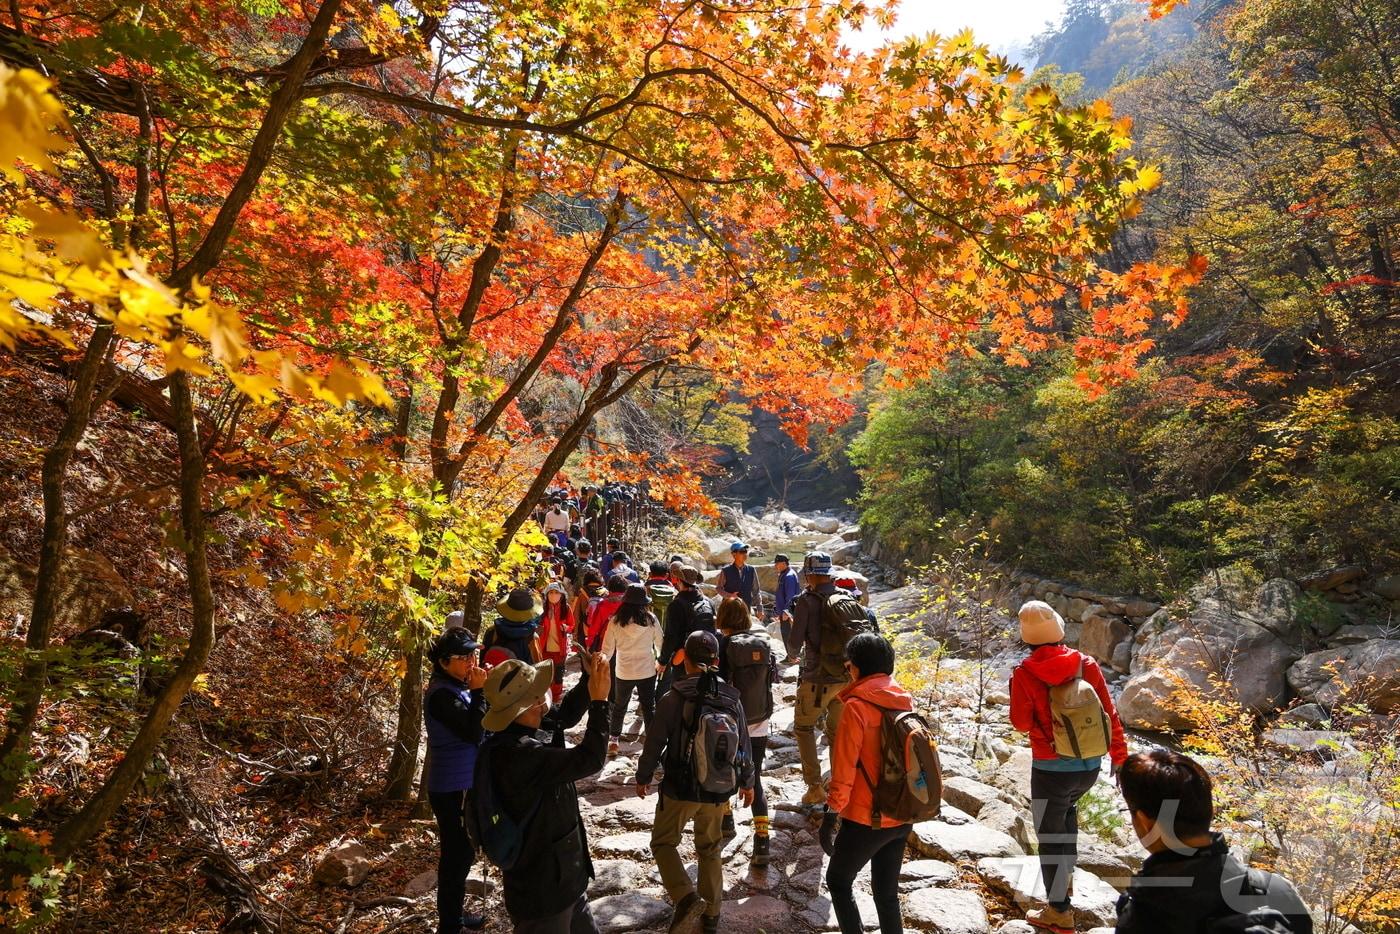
x: 964, y: 873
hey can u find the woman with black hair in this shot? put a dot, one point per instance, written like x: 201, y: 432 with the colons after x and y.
x: 633, y: 641
x: 453, y: 706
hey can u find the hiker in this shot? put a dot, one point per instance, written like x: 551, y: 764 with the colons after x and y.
x: 532, y: 783
x: 590, y: 591
x: 1054, y: 686
x: 698, y: 733
x: 556, y: 523
x: 556, y: 629
x: 660, y: 589
x: 609, y: 558
x: 737, y: 579
x: 784, y: 594
x: 823, y: 620
x: 746, y: 661
x: 689, y: 612
x: 1191, y: 882
x: 601, y: 612
x: 583, y: 550
x: 452, y: 709
x: 514, y: 634
x: 633, y: 642
x: 592, y: 507
x: 873, y: 827
x: 622, y: 565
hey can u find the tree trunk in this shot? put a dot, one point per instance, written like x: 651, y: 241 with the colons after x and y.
x: 403, y: 761
x: 29, y: 692
x: 86, y: 823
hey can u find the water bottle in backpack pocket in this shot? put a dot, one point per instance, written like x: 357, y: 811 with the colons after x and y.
x: 1077, y: 719
x: 909, y: 787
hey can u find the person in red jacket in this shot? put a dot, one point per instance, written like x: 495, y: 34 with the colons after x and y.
x: 600, y: 613
x: 855, y: 756
x: 1057, y: 782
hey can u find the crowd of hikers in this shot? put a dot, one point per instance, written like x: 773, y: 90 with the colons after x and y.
x: 501, y: 777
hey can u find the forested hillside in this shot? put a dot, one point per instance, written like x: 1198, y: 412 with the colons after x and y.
x: 1263, y: 429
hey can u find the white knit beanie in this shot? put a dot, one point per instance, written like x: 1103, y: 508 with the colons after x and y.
x: 1040, y: 624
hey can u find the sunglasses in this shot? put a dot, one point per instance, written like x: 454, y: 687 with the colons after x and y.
x: 462, y: 658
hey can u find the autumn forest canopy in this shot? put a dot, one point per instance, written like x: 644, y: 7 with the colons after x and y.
x: 353, y: 284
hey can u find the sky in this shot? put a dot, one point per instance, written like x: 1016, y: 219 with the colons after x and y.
x: 1002, y: 24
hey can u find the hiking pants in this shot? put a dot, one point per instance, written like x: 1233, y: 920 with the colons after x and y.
x: 455, y: 857
x: 672, y: 816
x: 814, y: 700
x: 856, y: 845
x: 622, y: 697
x: 576, y: 919
x: 1054, y: 808
x: 758, y: 745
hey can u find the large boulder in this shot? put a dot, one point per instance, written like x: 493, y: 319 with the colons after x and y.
x: 1094, y: 900
x: 827, y: 525
x: 1102, y: 634
x: 89, y: 587
x: 1368, y: 672
x: 1215, y: 639
x: 717, y: 550
x: 1387, y: 587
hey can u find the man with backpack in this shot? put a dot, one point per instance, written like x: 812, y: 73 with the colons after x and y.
x: 689, y: 612
x: 524, y: 801
x: 884, y: 777
x: 699, y: 731
x: 786, y: 591
x: 659, y: 588
x: 1190, y: 883
x: 1059, y: 698
x: 737, y: 579
x: 824, y: 619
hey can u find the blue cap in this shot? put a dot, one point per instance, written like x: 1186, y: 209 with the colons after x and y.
x: 738, y: 546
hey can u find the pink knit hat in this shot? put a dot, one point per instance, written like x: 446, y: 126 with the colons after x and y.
x: 1040, y: 624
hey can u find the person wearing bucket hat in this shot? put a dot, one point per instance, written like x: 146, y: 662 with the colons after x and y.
x: 514, y: 634
x: 1063, y: 769
x: 556, y: 631
x: 453, y: 706
x: 823, y: 620
x: 532, y: 779
x: 738, y: 579
x: 633, y: 642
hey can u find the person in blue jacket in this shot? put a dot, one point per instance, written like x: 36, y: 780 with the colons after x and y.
x: 786, y: 591
x: 453, y: 705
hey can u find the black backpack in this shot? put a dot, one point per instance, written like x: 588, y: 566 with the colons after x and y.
x: 702, y: 616
x: 1277, y: 908
x: 748, y: 656
x: 496, y: 833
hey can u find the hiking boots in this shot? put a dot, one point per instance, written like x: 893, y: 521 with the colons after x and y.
x: 687, y: 910
x: 726, y: 827
x: 816, y: 794
x: 710, y: 925
x: 760, y: 851
x: 472, y: 922
x: 1050, y: 918
x: 612, y: 747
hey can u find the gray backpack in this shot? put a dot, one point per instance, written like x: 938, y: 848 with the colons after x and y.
x: 715, y: 751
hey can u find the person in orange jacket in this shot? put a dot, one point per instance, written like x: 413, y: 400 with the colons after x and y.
x: 1057, y: 782
x: 855, y: 758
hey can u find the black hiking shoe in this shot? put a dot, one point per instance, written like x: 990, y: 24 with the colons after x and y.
x: 760, y: 851
x: 726, y: 827
x: 472, y: 922
x: 710, y: 925
x: 687, y: 910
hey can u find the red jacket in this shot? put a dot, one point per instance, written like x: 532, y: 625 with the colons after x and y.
x: 598, y: 617
x: 1031, y: 681
x: 855, y: 754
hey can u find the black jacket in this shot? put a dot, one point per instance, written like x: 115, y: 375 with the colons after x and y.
x: 668, y: 736
x: 553, y: 869
x: 682, y: 619
x: 1178, y: 893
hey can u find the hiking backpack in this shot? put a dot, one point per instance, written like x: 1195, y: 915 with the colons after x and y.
x: 752, y: 670
x: 1271, y: 904
x: 497, y: 834
x: 842, y: 617
x: 1077, y: 718
x: 909, y: 787
x: 714, y: 751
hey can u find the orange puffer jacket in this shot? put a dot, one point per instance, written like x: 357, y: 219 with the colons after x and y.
x: 855, y: 755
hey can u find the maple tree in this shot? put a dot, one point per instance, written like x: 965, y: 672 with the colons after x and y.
x: 488, y: 202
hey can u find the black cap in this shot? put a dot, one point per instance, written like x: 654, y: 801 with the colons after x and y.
x: 455, y: 641
x: 701, y: 648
